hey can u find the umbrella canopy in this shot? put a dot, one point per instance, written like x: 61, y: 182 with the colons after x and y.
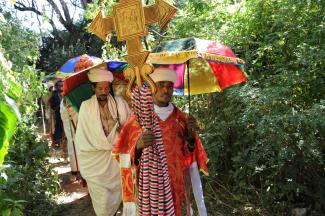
x: 67, y: 68
x: 55, y: 76
x: 202, y: 66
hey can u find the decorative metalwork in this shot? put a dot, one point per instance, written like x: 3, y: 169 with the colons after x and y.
x: 130, y: 20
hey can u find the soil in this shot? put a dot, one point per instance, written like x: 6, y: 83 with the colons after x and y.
x: 74, y: 199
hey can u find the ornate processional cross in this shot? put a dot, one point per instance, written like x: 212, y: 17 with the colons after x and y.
x: 130, y: 21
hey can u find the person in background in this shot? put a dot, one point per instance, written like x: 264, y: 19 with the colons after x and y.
x: 69, y: 119
x: 47, y: 111
x: 59, y: 139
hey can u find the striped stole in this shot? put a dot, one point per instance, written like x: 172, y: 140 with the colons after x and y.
x: 154, y: 191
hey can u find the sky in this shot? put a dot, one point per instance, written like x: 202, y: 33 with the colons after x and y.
x: 29, y: 19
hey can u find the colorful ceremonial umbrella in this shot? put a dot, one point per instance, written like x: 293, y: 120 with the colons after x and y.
x: 202, y: 66
x: 54, y: 77
x: 77, y: 87
x: 66, y: 69
x: 69, y: 66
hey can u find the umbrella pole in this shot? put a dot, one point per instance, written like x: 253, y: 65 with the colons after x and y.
x: 188, y: 86
x: 43, y: 115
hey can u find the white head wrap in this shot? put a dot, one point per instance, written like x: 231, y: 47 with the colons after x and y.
x: 164, y: 74
x: 100, y: 75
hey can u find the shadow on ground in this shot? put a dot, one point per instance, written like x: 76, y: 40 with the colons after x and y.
x: 73, y: 199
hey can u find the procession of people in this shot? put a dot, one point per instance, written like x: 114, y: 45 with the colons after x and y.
x: 96, y: 138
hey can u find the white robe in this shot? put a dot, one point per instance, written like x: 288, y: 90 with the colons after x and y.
x: 69, y: 133
x: 96, y: 163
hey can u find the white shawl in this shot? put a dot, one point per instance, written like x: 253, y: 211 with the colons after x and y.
x: 93, y: 147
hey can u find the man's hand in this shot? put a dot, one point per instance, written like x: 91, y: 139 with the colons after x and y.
x: 191, y: 123
x: 191, y: 127
x: 147, y: 139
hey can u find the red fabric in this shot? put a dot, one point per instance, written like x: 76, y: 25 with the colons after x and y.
x: 127, y: 185
x: 178, y: 156
x: 227, y: 75
x: 123, y: 147
x: 74, y: 81
x: 219, y: 49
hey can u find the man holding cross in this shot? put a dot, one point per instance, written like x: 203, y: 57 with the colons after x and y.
x: 182, y: 149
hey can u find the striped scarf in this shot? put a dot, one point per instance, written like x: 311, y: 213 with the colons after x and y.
x: 154, y: 191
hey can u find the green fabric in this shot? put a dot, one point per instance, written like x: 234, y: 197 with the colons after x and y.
x: 176, y: 45
x: 78, y: 95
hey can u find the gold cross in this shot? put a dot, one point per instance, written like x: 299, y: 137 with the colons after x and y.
x: 130, y: 20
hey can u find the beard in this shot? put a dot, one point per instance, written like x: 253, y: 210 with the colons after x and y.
x: 102, y: 97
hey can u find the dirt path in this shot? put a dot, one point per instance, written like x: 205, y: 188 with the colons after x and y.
x: 74, y: 199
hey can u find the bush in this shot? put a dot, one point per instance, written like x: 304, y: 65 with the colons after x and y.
x: 29, y: 175
x: 265, y: 139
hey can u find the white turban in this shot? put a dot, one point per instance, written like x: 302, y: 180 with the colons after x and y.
x: 100, y: 75
x: 164, y: 74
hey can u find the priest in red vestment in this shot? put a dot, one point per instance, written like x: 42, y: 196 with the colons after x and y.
x: 182, y: 147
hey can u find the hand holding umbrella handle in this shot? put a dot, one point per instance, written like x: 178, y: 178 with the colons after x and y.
x: 191, y: 123
x: 191, y: 127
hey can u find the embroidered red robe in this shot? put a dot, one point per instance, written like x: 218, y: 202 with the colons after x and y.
x: 178, y: 156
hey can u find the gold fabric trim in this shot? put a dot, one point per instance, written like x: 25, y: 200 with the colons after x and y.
x: 180, y: 57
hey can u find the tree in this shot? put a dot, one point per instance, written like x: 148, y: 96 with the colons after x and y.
x: 62, y: 11
x: 66, y: 43
x: 266, y: 138
x: 21, y: 146
x: 55, y: 52
x: 18, y: 52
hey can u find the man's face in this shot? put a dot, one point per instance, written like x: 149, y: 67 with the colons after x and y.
x: 101, y: 90
x: 60, y: 86
x: 164, y: 93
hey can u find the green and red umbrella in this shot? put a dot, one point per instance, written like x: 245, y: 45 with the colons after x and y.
x: 77, y: 87
x: 202, y: 66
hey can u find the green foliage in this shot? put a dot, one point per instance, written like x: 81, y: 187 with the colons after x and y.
x: 266, y: 138
x: 8, y: 117
x: 7, y: 126
x: 12, y: 207
x: 19, y: 44
x: 27, y: 182
x: 198, y: 18
x: 28, y: 167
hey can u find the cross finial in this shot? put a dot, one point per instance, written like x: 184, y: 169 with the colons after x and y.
x: 130, y: 21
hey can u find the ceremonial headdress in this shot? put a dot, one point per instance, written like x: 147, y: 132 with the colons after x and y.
x: 100, y: 75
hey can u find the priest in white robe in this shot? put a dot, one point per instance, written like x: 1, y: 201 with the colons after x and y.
x: 100, y: 118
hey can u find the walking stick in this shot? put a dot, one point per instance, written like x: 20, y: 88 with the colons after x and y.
x: 43, y: 116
